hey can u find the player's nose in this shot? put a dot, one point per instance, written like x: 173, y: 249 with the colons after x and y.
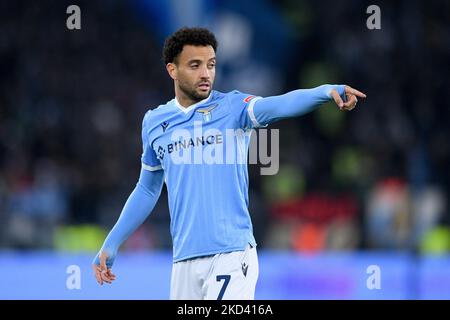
x: 205, y: 73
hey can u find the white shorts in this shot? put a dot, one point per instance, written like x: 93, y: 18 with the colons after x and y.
x: 228, y: 276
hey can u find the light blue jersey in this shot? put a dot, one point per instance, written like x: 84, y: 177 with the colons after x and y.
x: 201, y: 154
x: 203, y: 150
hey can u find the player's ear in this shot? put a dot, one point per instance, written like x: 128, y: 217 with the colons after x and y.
x: 172, y: 70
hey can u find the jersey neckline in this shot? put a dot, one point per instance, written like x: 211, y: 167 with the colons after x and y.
x: 192, y: 106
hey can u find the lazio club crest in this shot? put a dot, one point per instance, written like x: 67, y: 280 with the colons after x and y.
x: 207, y: 112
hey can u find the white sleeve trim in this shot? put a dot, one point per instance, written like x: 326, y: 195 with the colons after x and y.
x: 252, y: 114
x: 150, y: 168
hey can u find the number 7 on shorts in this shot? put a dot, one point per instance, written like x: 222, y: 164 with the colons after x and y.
x: 227, y: 278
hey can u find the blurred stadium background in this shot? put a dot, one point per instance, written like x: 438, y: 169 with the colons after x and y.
x: 369, y: 187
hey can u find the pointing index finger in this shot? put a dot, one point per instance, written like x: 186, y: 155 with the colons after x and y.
x: 355, y: 92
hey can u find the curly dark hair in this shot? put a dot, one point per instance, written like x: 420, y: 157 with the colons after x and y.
x: 187, y: 36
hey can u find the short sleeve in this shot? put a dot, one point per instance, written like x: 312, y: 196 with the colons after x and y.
x: 241, y: 104
x: 149, y: 160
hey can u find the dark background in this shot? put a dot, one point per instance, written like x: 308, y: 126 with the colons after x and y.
x: 72, y: 103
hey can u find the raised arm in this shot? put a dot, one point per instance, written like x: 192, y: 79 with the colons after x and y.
x: 263, y: 111
x: 138, y: 207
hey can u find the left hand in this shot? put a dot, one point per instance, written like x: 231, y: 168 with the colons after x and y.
x: 351, y: 95
x: 101, y: 271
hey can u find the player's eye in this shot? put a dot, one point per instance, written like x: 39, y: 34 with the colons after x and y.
x: 211, y: 65
x: 194, y: 66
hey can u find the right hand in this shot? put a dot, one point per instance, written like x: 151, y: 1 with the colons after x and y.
x: 101, y: 271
